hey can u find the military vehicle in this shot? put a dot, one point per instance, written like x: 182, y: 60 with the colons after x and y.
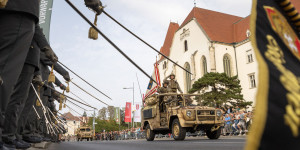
x: 178, y: 114
x: 84, y: 132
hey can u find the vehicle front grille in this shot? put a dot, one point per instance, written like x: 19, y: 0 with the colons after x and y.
x: 205, y: 112
x: 206, y: 118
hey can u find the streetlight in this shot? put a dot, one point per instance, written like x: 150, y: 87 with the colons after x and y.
x: 132, y: 101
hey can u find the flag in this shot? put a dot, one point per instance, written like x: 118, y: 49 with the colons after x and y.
x: 152, y: 87
x: 45, y: 16
x: 275, y: 26
x: 128, y: 112
x: 117, y: 115
x: 137, y: 113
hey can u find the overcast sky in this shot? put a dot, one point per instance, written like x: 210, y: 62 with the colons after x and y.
x: 99, y: 63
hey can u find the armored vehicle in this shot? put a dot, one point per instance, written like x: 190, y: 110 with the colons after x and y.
x: 178, y: 114
x: 84, y: 132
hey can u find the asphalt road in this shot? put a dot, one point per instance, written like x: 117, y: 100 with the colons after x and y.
x: 198, y: 143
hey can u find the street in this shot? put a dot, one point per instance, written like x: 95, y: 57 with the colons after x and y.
x: 224, y: 143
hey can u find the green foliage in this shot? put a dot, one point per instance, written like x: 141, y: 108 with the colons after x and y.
x: 105, y: 120
x: 107, y: 125
x: 224, y: 90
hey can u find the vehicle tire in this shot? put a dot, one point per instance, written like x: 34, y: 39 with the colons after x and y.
x: 213, y: 135
x: 91, y: 139
x: 87, y: 139
x: 178, y: 131
x: 78, y: 139
x: 150, y: 135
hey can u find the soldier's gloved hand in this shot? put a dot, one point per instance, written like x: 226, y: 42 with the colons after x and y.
x: 67, y: 77
x: 1, y: 81
x: 56, y: 95
x: 50, y: 54
x: 63, y: 87
x: 38, y: 80
x: 95, y: 5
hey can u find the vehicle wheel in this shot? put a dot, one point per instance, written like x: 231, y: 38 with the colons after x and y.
x: 149, y: 133
x: 78, y: 139
x: 213, y: 135
x: 178, y: 131
x: 87, y: 139
x: 91, y: 139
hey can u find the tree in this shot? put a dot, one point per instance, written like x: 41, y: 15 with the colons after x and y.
x: 111, y: 112
x: 224, y: 90
x: 102, y: 113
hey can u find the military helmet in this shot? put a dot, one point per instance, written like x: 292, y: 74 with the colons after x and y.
x: 172, y: 74
x: 166, y: 82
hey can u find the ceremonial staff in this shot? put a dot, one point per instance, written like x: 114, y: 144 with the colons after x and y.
x: 83, y: 79
x: 109, y: 41
x: 69, y: 97
x: 89, y: 93
x: 77, y: 105
x: 144, y: 41
x: 49, y: 126
x: 79, y: 98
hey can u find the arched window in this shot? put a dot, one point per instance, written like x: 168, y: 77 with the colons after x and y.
x: 227, y: 65
x: 188, y: 77
x: 204, y: 65
x: 185, y: 46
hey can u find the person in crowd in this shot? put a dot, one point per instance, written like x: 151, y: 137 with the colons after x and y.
x: 242, y: 122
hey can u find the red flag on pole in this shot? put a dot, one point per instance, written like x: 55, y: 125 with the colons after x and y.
x: 128, y: 112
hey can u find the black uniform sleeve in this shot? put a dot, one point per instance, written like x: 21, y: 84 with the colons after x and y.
x: 58, y: 68
x: 40, y: 38
x: 45, y: 60
x: 57, y: 82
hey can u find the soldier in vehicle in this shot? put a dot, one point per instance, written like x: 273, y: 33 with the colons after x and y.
x: 172, y: 88
x: 163, y: 90
x: 173, y: 84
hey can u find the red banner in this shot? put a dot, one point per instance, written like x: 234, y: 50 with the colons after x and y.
x: 128, y: 112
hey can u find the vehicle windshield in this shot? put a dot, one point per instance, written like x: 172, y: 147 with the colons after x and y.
x: 82, y: 129
x: 191, y: 100
x: 87, y: 129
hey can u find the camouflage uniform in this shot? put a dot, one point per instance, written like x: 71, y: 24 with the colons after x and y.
x: 173, y: 84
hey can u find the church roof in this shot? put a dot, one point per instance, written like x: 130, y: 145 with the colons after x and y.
x: 70, y: 117
x: 165, y: 49
x: 218, y: 26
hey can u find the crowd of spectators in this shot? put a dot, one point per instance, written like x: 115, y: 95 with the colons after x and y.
x: 236, y: 121
x: 134, y: 133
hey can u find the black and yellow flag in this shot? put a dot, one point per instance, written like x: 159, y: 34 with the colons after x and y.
x: 275, y: 26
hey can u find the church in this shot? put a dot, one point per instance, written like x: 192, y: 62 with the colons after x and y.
x: 210, y: 41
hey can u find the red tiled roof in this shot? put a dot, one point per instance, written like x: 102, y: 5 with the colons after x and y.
x: 70, y: 116
x: 218, y: 26
x: 165, y: 49
x: 240, y: 28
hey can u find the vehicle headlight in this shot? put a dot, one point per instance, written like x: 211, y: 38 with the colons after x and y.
x: 219, y: 113
x: 189, y: 113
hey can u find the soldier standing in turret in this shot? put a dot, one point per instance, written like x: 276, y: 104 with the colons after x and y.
x: 173, y: 84
x: 164, y: 89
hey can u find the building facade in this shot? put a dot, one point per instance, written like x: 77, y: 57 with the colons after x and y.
x: 209, y: 41
x: 74, y: 122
